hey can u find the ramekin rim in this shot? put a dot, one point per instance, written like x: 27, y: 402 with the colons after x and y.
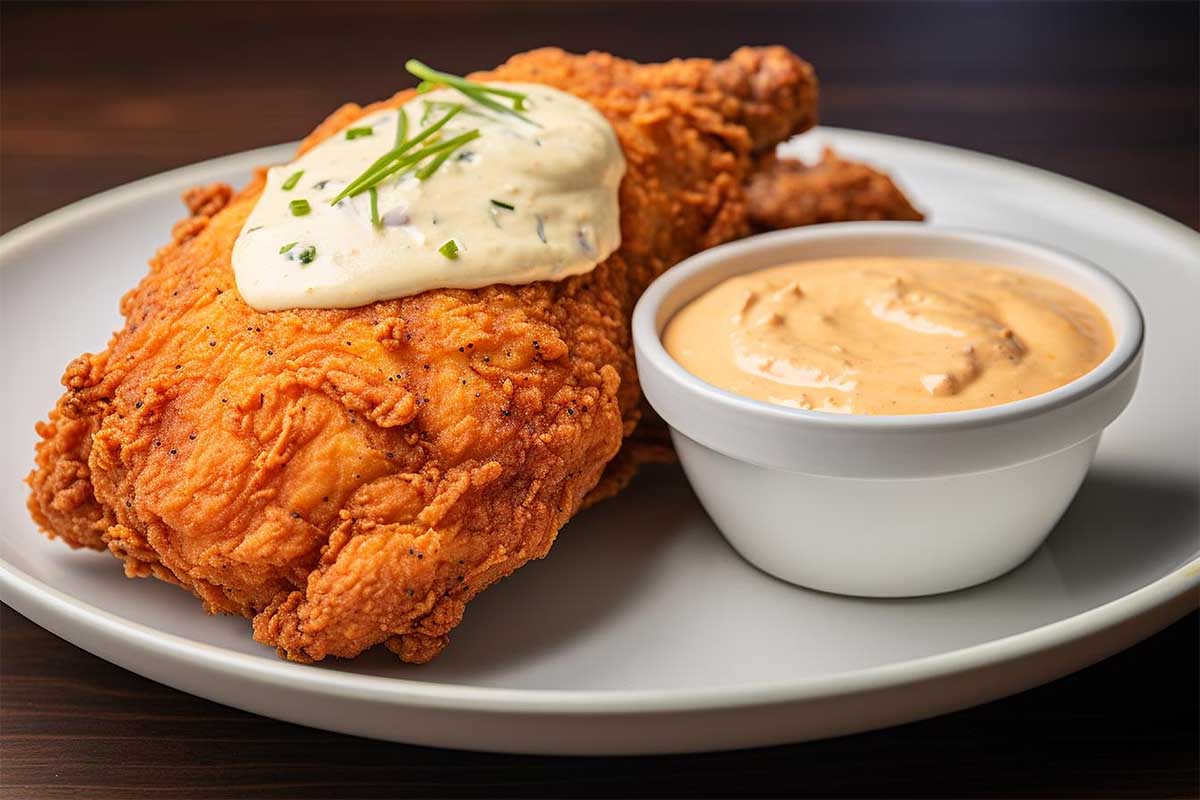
x: 647, y: 337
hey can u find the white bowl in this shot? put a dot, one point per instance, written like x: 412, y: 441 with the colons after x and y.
x: 888, y: 505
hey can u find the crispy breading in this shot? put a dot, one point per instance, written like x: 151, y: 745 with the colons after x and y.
x: 351, y: 477
x: 787, y: 194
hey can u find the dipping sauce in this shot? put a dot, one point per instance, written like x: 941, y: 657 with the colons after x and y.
x: 889, y: 335
x: 513, y: 198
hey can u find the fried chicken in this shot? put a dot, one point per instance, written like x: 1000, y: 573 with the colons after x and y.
x: 786, y: 193
x: 346, y: 478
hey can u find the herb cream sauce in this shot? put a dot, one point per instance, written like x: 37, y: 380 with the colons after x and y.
x: 532, y: 197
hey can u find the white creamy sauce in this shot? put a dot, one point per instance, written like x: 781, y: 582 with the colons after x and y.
x: 560, y: 177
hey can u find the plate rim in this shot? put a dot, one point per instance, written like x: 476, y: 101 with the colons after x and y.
x: 69, y: 611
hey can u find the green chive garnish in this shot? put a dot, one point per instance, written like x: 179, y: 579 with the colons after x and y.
x: 374, y: 206
x: 358, y: 133
x: 427, y: 171
x: 286, y: 247
x: 307, y: 255
x: 401, y: 126
x: 291, y: 182
x: 506, y: 206
x: 299, y: 207
x: 413, y: 159
x: 373, y: 174
x: 449, y: 249
x: 476, y: 91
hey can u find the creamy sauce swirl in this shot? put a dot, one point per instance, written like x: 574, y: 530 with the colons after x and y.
x: 889, y: 335
x: 523, y: 202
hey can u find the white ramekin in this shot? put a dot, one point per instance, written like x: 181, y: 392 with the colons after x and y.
x: 885, y: 506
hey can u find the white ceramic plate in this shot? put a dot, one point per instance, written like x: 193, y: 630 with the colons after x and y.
x: 642, y: 631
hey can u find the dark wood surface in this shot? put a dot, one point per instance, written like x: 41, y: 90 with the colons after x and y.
x: 92, y: 96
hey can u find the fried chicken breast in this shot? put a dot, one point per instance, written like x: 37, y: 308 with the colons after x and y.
x: 346, y: 478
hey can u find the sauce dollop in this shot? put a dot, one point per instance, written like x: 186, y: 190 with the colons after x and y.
x: 527, y: 200
x: 889, y: 335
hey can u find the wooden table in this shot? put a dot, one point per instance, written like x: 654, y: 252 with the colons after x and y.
x: 93, y: 96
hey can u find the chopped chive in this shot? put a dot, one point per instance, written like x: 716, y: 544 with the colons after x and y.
x: 472, y: 89
x: 291, y: 182
x: 358, y: 133
x: 286, y: 247
x: 479, y: 96
x: 299, y: 207
x: 306, y: 255
x: 374, y: 206
x: 500, y: 204
x: 433, y: 166
x: 429, y: 75
x: 401, y: 126
x: 415, y: 158
x: 427, y: 171
x: 449, y: 249
x: 373, y: 174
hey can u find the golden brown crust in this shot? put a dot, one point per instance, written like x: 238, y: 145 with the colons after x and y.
x: 352, y: 477
x: 788, y: 194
